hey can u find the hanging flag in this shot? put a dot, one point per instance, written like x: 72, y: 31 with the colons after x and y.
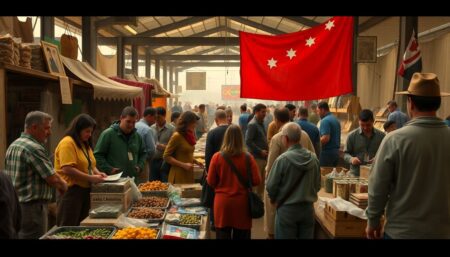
x: 305, y: 65
x: 412, y: 59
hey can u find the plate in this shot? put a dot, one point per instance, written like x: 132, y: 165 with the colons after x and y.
x: 113, y: 178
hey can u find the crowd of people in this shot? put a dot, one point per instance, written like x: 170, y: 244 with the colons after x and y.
x: 279, y: 155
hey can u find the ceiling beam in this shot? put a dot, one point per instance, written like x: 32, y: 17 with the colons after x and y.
x: 172, y: 26
x: 172, y: 41
x: 255, y: 25
x: 185, y: 57
x: 204, y: 64
x: 302, y: 20
x: 117, y: 20
x: 370, y: 23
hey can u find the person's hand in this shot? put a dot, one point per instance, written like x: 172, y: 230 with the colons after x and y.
x: 161, y: 147
x: 96, y: 179
x: 355, y: 161
x: 138, y: 169
x: 371, y: 160
x: 188, y: 166
x: 264, y: 153
x: 115, y: 171
x: 63, y: 188
x: 373, y: 233
x: 102, y: 174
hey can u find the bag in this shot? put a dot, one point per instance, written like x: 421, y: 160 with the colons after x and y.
x: 256, y: 205
x: 208, y: 193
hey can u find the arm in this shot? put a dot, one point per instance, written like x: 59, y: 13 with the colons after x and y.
x: 380, y: 180
x: 101, y: 151
x: 56, y: 181
x: 250, y: 137
x: 275, y: 151
x: 274, y: 179
x: 142, y: 154
x: 213, y: 171
x: 171, y: 148
x: 305, y: 141
x: 348, y: 150
x: 256, y: 177
x: 150, y: 144
x: 79, y: 175
x: 324, y: 132
x: 209, y: 146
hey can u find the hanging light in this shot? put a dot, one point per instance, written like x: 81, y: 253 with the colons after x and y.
x: 130, y: 29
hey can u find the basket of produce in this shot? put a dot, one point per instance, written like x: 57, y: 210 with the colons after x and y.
x: 151, y: 215
x: 154, y: 188
x: 80, y: 232
x: 137, y: 233
x: 152, y: 202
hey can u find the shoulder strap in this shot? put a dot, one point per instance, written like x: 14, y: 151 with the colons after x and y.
x: 234, y: 169
x: 299, y: 179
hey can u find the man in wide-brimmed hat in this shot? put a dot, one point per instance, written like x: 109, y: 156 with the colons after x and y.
x: 410, y: 177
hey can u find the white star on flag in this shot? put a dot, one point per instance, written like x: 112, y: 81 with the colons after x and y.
x: 272, y: 63
x: 329, y: 25
x: 291, y: 53
x: 310, y: 41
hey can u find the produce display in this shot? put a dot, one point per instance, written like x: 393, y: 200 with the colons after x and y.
x: 153, y: 186
x: 136, y: 233
x: 190, y: 219
x: 99, y: 233
x: 152, y: 201
x: 146, y: 213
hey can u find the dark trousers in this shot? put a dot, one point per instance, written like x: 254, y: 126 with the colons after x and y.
x: 34, y: 219
x: 73, y: 207
x: 233, y: 233
x: 329, y: 158
x: 157, y: 173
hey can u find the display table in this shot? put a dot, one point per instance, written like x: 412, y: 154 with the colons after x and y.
x: 99, y: 222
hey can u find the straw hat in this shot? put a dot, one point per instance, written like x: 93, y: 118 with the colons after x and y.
x: 424, y: 84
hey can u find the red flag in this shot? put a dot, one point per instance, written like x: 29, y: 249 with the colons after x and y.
x: 304, y: 65
x: 412, y: 59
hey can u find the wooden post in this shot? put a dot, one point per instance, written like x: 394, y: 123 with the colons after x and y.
x: 3, y: 120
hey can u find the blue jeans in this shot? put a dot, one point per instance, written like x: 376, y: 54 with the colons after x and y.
x: 156, y: 173
x: 295, y: 221
x: 329, y: 158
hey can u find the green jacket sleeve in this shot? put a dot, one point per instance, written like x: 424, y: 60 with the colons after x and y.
x: 348, y: 151
x: 101, y: 150
x: 274, y: 179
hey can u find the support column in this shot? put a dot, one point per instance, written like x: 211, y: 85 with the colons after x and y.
x: 354, y: 63
x: 120, y: 57
x: 177, y: 72
x: 165, y: 76
x: 47, y: 27
x: 89, y: 41
x: 134, y: 59
x: 157, y: 68
x: 3, y: 115
x: 407, y: 25
x: 171, y: 85
x: 148, y: 64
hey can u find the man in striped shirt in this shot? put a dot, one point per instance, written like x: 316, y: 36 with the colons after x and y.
x: 31, y: 171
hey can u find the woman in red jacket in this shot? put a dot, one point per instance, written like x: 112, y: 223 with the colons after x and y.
x: 231, y: 208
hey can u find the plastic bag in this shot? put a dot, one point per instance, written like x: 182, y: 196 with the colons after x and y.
x: 135, y: 193
x: 176, y: 232
x: 107, y: 211
x: 189, y: 202
x: 193, y: 210
x: 125, y: 222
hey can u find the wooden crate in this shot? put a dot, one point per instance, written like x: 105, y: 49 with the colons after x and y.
x: 190, y: 190
x: 339, y: 215
x: 345, y: 228
x: 99, y: 199
x: 364, y: 171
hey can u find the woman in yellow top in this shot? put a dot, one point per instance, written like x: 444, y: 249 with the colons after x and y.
x: 180, y: 150
x: 75, y: 163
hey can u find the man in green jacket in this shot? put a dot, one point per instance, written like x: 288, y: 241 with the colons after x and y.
x: 120, y: 148
x: 410, y: 178
x: 295, y: 179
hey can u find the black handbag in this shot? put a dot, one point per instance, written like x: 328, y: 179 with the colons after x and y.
x: 255, y: 203
x: 208, y: 193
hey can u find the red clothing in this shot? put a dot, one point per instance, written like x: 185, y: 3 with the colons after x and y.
x: 231, y: 200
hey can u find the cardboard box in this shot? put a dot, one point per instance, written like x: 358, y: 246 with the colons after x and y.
x: 190, y: 190
x: 120, y: 186
x: 99, y: 199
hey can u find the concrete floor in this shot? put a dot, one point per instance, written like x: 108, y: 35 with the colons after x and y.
x: 257, y: 230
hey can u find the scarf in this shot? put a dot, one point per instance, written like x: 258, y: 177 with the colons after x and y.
x: 190, y: 137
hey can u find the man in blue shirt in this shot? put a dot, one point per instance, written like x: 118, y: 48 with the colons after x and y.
x: 396, y: 115
x: 310, y: 129
x: 243, y: 118
x: 330, y: 136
